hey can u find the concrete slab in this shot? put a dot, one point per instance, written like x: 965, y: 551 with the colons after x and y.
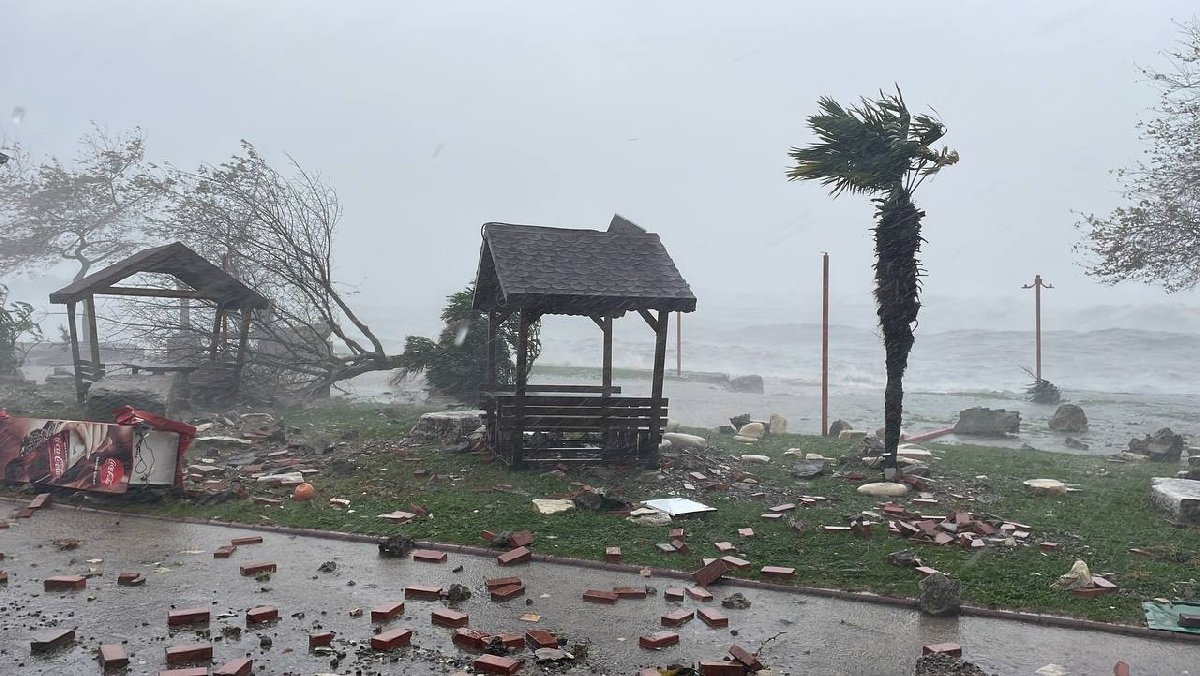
x: 1179, y: 498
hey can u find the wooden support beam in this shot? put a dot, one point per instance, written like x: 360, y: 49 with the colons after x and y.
x: 491, y: 376
x: 243, y: 346
x: 654, y: 323
x: 215, y: 344
x: 522, y: 364
x: 93, y: 337
x: 607, y: 370
x: 153, y: 293
x: 656, y: 388
x: 74, y: 332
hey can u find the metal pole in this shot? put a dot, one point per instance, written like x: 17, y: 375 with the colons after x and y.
x: 679, y: 344
x: 825, y: 344
x: 1037, y: 286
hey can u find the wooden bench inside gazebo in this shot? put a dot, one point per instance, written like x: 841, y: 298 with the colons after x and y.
x: 533, y: 271
x: 196, y: 279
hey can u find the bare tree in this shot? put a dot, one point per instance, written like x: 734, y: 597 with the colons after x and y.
x: 90, y: 212
x: 1155, y: 236
x: 275, y: 232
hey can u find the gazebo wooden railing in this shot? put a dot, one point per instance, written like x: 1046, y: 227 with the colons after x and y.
x: 533, y: 271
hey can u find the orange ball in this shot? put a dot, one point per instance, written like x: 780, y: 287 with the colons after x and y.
x: 304, y: 492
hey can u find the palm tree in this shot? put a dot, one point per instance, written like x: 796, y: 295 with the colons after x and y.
x: 878, y: 148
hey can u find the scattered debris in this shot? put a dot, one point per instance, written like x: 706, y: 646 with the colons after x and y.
x: 940, y: 595
x: 396, y: 547
x: 943, y: 664
x: 327, y: 567
x: 552, y: 506
x: 1078, y: 577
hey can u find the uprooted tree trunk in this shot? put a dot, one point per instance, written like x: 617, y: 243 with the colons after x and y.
x: 275, y: 233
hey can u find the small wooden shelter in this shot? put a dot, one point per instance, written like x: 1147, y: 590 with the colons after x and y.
x: 534, y: 271
x: 197, y: 278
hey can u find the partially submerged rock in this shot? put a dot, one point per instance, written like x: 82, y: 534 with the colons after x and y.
x: 987, y: 422
x: 1162, y: 446
x: 751, y: 384
x: 940, y: 595
x: 1070, y: 419
x: 837, y: 426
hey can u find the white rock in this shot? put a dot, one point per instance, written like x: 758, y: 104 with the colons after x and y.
x: 1046, y: 487
x: 745, y: 440
x: 664, y: 445
x: 681, y: 440
x: 793, y: 453
x: 852, y: 435
x: 1178, y: 497
x: 756, y: 458
x: 778, y: 425
x: 883, y: 489
x: 754, y: 430
x: 817, y: 456
x: 1051, y: 670
x: 548, y: 506
x: 913, y: 451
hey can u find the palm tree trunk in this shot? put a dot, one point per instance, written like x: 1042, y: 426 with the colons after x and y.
x: 897, y: 289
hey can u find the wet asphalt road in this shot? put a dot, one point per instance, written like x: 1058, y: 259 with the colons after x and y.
x: 821, y: 636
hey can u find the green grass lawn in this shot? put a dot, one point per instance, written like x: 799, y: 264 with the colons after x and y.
x: 1109, y: 515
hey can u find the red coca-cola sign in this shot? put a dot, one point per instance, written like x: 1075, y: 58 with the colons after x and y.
x: 111, y: 472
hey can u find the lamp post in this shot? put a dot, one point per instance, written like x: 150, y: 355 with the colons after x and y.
x: 1037, y: 287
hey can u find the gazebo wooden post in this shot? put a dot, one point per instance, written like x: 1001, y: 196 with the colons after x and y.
x: 518, y: 442
x: 74, y: 332
x: 609, y: 438
x: 215, y: 344
x: 89, y: 305
x: 243, y: 346
x: 656, y: 388
x: 493, y: 330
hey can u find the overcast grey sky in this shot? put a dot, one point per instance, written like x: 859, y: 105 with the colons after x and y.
x: 432, y: 117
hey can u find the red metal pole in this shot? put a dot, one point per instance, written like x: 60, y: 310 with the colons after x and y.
x: 825, y: 345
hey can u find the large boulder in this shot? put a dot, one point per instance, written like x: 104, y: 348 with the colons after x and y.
x: 751, y: 384
x: 940, y: 595
x: 1069, y: 419
x: 987, y: 422
x: 1162, y: 446
x: 681, y: 440
x: 836, y: 427
x: 809, y: 469
x: 447, y: 426
x: 754, y: 430
x: 1179, y: 498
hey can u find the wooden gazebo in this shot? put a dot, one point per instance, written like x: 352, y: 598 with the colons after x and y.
x: 197, y: 278
x: 534, y: 271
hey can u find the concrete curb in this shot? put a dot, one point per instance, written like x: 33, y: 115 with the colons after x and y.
x: 863, y: 597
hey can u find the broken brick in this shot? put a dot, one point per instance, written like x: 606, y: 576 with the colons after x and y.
x: 429, y: 556
x: 398, y: 517
x: 631, y: 592
x: 192, y: 652
x: 23, y: 513
x: 185, y: 616
x: 735, y: 562
x: 680, y: 546
x: 507, y: 593
x: 673, y: 594
x: 320, y: 639
x: 237, y: 667
x: 515, y: 556
x: 1189, y: 620
x: 423, y: 593
x: 258, y: 567
x: 494, y: 664
x: 772, y: 516
x: 677, y: 534
x: 224, y: 552
x: 777, y: 571
x: 699, y: 593
x: 540, y: 639
x: 612, y: 554
x: 665, y: 548
x: 248, y: 540
x: 597, y: 596
x: 3, y: 577
x: 711, y: 572
x: 45, y: 641
x: 40, y: 501
x: 1048, y: 546
x: 495, y: 582
x: 487, y: 535
x: 390, y: 640
x: 721, y: 668
x: 725, y: 547
x: 113, y: 656
x: 658, y: 639
x: 64, y: 583
x: 677, y: 618
x: 511, y: 640
x: 262, y: 614
x: 952, y: 649
x: 745, y: 657
x: 130, y: 579
x: 746, y: 532
x: 925, y: 571
x: 1121, y: 669
x: 387, y: 611
x: 942, y: 539
x: 522, y: 538
x: 473, y: 639
x: 447, y: 617
x: 339, y: 502
x: 712, y: 617
x: 835, y: 529
x: 698, y: 476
